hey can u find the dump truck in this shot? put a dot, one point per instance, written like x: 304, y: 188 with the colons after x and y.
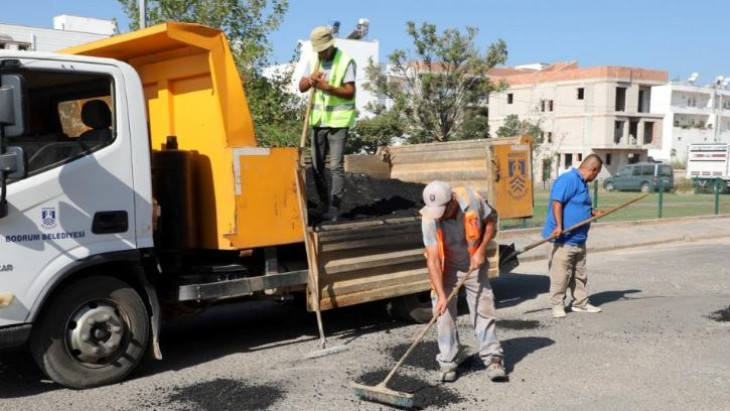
x: 708, y: 166
x: 132, y: 186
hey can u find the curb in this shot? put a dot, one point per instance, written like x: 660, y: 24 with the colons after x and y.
x: 507, y: 235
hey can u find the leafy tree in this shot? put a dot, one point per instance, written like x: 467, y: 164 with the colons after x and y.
x: 371, y: 133
x: 513, y: 127
x: 247, y: 24
x: 437, y: 88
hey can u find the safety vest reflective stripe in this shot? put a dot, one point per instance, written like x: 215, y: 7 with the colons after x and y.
x: 329, y: 110
x: 334, y: 108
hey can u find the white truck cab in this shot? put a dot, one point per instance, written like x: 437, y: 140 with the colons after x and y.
x: 78, y: 201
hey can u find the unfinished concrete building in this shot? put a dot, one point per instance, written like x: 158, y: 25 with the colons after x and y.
x: 603, y: 110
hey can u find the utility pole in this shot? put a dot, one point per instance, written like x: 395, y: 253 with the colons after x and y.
x: 142, y: 14
x: 720, y: 84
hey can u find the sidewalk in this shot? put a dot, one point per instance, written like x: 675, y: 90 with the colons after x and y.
x: 617, y: 235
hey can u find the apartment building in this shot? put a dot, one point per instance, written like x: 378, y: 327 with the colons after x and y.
x: 603, y: 110
x: 692, y: 114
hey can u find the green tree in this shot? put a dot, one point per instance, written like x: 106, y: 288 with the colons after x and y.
x: 514, y: 127
x: 439, y: 86
x: 247, y: 24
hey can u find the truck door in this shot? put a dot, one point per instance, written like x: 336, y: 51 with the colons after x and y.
x: 77, y: 199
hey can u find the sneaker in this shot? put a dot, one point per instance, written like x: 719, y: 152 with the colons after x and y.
x: 448, y: 373
x: 587, y: 309
x: 558, y: 311
x: 496, y: 372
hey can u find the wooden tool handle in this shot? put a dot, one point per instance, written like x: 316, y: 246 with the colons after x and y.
x: 428, y: 327
x: 584, y: 222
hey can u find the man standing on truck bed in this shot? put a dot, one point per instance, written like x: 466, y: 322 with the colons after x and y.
x: 570, y: 204
x: 332, y: 75
x: 457, y: 225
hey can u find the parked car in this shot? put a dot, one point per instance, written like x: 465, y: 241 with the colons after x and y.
x: 642, y: 177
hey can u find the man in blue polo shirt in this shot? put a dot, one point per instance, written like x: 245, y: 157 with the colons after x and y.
x: 569, y: 204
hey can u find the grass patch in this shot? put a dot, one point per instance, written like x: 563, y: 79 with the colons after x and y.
x: 677, y: 204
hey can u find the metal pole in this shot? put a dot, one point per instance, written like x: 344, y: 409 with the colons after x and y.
x: 717, y: 195
x: 661, y: 199
x: 142, y: 14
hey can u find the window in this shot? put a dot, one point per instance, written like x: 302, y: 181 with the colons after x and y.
x: 510, y: 98
x: 550, y: 137
x: 620, y: 98
x: 568, y: 159
x: 666, y: 171
x: 581, y: 93
x: 647, y: 170
x: 542, y: 105
x: 679, y: 138
x: 608, y: 159
x: 636, y: 171
x: 56, y: 132
x: 580, y: 157
x: 550, y: 105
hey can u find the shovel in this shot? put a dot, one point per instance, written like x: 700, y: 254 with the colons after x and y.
x: 509, y: 253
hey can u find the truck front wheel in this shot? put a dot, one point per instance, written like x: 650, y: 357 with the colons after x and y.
x: 94, y: 332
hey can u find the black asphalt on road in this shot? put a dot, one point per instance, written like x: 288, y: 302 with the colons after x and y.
x: 656, y: 345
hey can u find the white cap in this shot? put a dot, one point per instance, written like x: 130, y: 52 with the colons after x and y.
x: 436, y: 195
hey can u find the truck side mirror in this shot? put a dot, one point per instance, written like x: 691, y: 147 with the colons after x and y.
x: 13, y: 112
x: 13, y: 121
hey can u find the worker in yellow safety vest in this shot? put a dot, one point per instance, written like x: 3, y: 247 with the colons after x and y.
x: 457, y: 225
x: 332, y: 74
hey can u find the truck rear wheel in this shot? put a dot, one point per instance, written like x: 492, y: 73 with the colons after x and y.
x: 94, y: 332
x: 412, y: 307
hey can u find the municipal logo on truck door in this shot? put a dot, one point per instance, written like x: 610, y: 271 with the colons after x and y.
x: 517, y: 177
x: 48, y: 217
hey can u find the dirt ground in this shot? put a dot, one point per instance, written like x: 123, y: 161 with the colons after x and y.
x: 366, y: 197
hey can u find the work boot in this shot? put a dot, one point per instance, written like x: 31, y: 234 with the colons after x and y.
x: 332, y: 214
x: 448, y: 373
x: 558, y: 311
x: 587, y: 309
x: 496, y: 371
x: 321, y: 209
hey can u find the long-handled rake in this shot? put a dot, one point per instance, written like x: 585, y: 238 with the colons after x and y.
x: 384, y: 395
x: 310, y: 248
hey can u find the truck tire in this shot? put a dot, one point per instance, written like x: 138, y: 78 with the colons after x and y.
x: 609, y: 187
x: 645, y: 187
x: 412, y: 307
x: 94, y: 332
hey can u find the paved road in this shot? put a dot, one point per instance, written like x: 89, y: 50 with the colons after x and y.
x: 654, y: 347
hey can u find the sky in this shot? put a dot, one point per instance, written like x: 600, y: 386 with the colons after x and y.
x: 680, y: 37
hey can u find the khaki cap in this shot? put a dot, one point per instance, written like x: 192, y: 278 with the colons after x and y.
x: 321, y: 38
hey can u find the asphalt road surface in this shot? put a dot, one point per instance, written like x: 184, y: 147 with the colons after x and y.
x: 656, y: 345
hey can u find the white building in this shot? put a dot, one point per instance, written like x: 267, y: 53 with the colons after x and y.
x: 358, y: 47
x: 603, y: 110
x: 692, y: 114
x: 68, y: 31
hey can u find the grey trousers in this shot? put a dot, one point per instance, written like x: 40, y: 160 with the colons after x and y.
x: 568, y: 270
x: 482, y: 316
x: 332, y: 140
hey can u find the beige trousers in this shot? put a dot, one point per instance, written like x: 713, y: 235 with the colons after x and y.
x: 482, y: 316
x: 568, y: 270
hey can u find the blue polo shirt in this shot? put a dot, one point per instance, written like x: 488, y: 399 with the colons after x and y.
x: 572, y: 191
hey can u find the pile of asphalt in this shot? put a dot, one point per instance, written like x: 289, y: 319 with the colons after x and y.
x: 225, y: 394
x: 366, y: 197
